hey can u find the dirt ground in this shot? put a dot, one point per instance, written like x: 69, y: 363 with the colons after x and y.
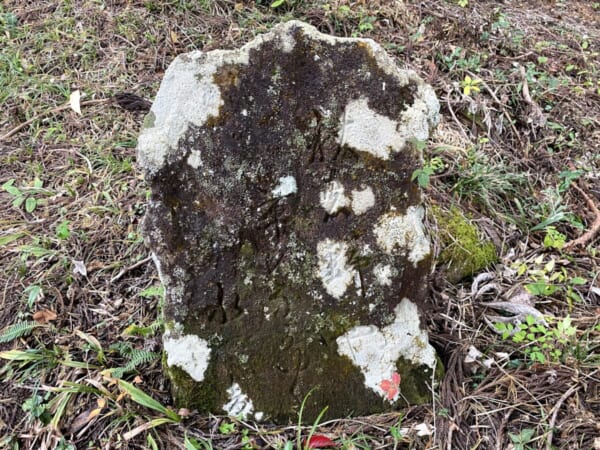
x: 517, y: 154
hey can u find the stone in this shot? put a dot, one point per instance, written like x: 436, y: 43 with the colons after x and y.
x: 285, y: 227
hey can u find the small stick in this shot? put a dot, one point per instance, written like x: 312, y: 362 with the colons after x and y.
x: 127, y: 269
x: 50, y: 111
x: 588, y: 235
x: 555, y: 410
x: 502, y: 106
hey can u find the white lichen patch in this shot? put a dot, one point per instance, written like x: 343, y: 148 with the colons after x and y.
x: 164, y: 278
x: 333, y: 199
x: 367, y: 131
x: 403, y: 234
x: 194, y: 159
x: 334, y: 271
x: 383, y: 274
x: 376, y: 351
x: 175, y: 108
x: 362, y: 200
x: 239, y: 405
x: 287, y: 186
x: 187, y: 352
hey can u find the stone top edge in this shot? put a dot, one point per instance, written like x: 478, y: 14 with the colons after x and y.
x: 173, y: 110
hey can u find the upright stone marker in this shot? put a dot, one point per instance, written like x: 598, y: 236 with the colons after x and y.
x: 286, y: 229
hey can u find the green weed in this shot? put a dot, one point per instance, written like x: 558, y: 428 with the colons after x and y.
x: 541, y: 343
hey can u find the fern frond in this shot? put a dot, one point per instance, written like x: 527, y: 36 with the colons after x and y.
x: 135, y: 358
x: 139, y: 357
x: 18, y: 330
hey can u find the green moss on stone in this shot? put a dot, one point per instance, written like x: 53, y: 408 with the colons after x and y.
x: 464, y: 252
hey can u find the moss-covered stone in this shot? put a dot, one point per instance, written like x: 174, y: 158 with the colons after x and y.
x: 464, y: 251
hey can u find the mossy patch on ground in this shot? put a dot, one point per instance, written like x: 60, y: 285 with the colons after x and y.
x: 463, y: 250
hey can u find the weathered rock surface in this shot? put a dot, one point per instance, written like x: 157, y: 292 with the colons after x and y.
x: 286, y: 229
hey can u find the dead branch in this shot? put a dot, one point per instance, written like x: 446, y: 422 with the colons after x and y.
x: 555, y: 410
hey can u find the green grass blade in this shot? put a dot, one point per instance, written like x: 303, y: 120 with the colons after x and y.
x: 141, y: 398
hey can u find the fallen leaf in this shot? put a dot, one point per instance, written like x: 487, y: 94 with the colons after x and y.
x: 472, y: 355
x: 79, y: 267
x: 85, y: 417
x: 423, y: 429
x: 44, y: 316
x: 174, y: 37
x: 320, y: 441
x: 184, y: 412
x: 74, y: 101
x: 80, y: 421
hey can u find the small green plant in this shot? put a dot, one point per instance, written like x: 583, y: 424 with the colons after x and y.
x: 463, y: 3
x: 227, y: 428
x: 196, y: 444
x: 62, y: 230
x: 277, y: 3
x: 546, y: 279
x: 311, y: 438
x: 133, y: 358
x: 542, y: 343
x: 32, y: 293
x: 37, y: 408
x: 366, y: 24
x: 17, y: 330
x: 470, y: 85
x: 486, y: 180
x: 396, y: 432
x: 422, y: 175
x: 25, y: 194
x: 434, y: 165
x: 246, y: 440
x: 521, y: 440
x: 554, y: 238
x: 461, y: 59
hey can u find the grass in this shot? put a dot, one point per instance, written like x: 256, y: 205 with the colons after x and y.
x: 79, y: 325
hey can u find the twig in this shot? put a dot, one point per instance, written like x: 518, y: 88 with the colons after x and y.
x: 127, y: 269
x: 555, y: 410
x: 50, y: 111
x: 588, y: 235
x: 460, y: 126
x: 502, y: 106
x: 536, y: 111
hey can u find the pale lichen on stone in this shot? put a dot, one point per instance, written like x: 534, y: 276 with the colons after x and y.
x: 403, y: 234
x: 383, y: 274
x: 195, y: 159
x: 362, y: 200
x: 170, y: 122
x: 239, y: 405
x: 333, y: 198
x: 368, y: 131
x: 188, y: 352
x: 334, y: 271
x: 376, y: 351
x: 287, y: 186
